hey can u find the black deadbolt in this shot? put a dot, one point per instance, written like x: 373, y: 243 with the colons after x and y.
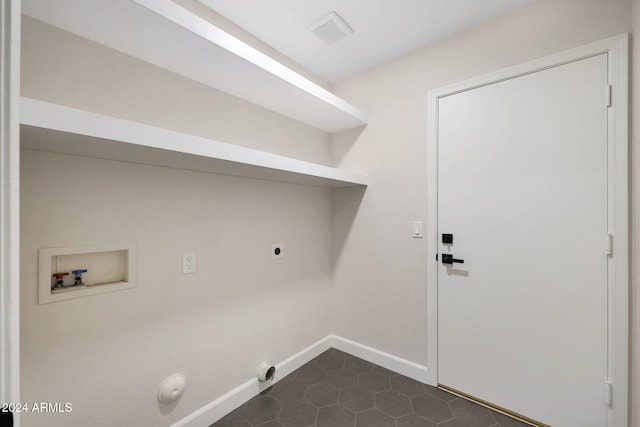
x: 447, y: 239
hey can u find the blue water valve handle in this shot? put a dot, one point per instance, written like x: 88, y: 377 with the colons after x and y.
x: 78, y: 277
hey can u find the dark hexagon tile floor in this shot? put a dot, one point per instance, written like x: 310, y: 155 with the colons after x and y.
x: 339, y: 390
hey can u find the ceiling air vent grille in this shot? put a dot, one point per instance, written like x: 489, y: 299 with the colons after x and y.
x: 331, y: 28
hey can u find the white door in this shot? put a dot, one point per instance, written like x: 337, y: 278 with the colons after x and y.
x: 522, y: 188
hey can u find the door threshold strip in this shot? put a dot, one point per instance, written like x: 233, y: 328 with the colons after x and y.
x: 493, y: 407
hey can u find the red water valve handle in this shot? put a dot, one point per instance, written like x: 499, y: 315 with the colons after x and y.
x: 59, y: 275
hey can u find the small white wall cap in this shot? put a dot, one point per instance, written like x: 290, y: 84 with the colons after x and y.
x: 331, y: 28
x: 171, y: 388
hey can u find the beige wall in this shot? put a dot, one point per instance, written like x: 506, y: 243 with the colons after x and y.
x: 379, y: 270
x: 107, y: 354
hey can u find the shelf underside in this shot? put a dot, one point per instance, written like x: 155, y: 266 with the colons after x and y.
x: 68, y: 143
x: 56, y: 128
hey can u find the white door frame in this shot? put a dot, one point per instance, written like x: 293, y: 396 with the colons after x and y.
x: 617, y: 49
x: 10, y: 202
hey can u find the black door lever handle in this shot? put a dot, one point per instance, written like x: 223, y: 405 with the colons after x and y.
x: 449, y: 259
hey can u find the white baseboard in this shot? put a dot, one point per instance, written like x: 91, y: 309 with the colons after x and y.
x: 386, y: 360
x: 226, y: 403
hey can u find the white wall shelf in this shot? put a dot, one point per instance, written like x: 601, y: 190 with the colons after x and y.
x: 195, y: 48
x: 55, y: 128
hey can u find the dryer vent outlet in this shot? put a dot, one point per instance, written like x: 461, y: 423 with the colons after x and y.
x: 265, y: 372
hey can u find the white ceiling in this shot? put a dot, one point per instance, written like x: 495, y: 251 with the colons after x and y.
x: 383, y: 29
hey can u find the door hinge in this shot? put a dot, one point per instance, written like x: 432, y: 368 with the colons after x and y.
x: 608, y: 244
x: 608, y: 393
x: 608, y: 95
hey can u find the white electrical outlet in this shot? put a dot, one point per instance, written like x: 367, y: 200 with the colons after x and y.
x: 277, y: 251
x: 188, y: 262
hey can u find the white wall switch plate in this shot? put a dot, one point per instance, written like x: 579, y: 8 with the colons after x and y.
x: 417, y: 229
x: 188, y: 262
